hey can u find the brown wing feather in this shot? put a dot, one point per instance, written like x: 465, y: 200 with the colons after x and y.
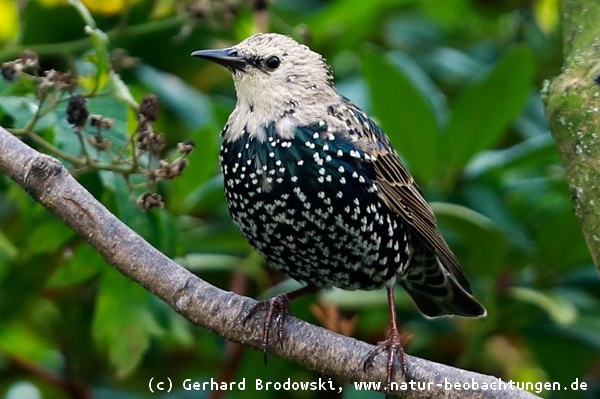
x: 399, y: 190
x: 401, y: 193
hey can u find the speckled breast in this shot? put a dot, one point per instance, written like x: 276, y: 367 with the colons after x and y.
x: 309, y: 206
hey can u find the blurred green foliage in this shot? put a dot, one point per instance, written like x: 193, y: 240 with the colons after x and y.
x: 455, y: 85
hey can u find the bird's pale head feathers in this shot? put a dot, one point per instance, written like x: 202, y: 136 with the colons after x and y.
x: 274, y: 74
x: 275, y: 64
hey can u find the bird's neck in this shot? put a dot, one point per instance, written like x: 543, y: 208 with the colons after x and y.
x: 251, y: 116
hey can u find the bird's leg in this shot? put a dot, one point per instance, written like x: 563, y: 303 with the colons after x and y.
x: 392, y: 345
x: 277, y: 308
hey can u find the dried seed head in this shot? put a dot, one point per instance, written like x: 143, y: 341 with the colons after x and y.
x: 149, y: 108
x: 120, y: 59
x: 170, y: 171
x: 12, y: 69
x: 179, y: 166
x: 62, y: 80
x: 101, y: 122
x: 186, y: 147
x: 149, y: 200
x: 99, y: 142
x: 77, y: 112
x: 150, y: 141
x: 9, y: 71
x: 30, y: 59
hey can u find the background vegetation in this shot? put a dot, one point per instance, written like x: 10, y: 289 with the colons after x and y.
x: 456, y: 86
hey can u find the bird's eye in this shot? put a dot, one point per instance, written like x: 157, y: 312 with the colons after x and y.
x: 273, y: 62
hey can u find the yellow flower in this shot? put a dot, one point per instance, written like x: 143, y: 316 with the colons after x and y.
x: 9, y: 20
x: 547, y: 14
x: 107, y: 7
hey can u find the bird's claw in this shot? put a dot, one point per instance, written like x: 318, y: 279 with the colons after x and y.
x: 393, y: 346
x: 277, y: 309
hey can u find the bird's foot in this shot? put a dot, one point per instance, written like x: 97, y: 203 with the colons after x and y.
x: 395, y: 354
x: 277, y: 309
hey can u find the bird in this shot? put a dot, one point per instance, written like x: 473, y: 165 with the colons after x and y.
x: 316, y: 187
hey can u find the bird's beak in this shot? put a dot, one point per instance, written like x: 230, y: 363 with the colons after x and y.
x: 228, y: 57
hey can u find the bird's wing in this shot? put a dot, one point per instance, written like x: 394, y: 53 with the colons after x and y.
x: 398, y: 189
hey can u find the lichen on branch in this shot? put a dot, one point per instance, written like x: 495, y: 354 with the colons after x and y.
x: 573, y: 108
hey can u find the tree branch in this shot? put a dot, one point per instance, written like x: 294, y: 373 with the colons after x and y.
x: 573, y: 108
x: 49, y: 183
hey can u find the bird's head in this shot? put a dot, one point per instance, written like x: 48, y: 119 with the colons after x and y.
x: 272, y: 70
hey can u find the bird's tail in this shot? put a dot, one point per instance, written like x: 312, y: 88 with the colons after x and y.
x: 438, y: 292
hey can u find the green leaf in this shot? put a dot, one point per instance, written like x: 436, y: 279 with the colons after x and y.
x: 216, y: 236
x: 100, y: 58
x: 562, y: 356
x: 122, y: 322
x: 8, y: 250
x: 106, y: 392
x: 121, y: 90
x: 537, y: 151
x: 404, y: 112
x: 558, y: 308
x: 493, y: 205
x: 189, y: 104
x: 124, y: 207
x: 22, y: 281
x: 346, y: 22
x: 486, y: 108
x: 199, y: 262
x: 558, y: 238
x: 81, y: 265
x: 22, y: 340
x: 486, y: 242
x: 354, y: 299
x: 203, y: 166
x: 20, y: 108
x: 350, y: 392
x: 48, y: 237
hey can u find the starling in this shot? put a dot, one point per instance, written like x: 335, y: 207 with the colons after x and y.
x: 317, y: 188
